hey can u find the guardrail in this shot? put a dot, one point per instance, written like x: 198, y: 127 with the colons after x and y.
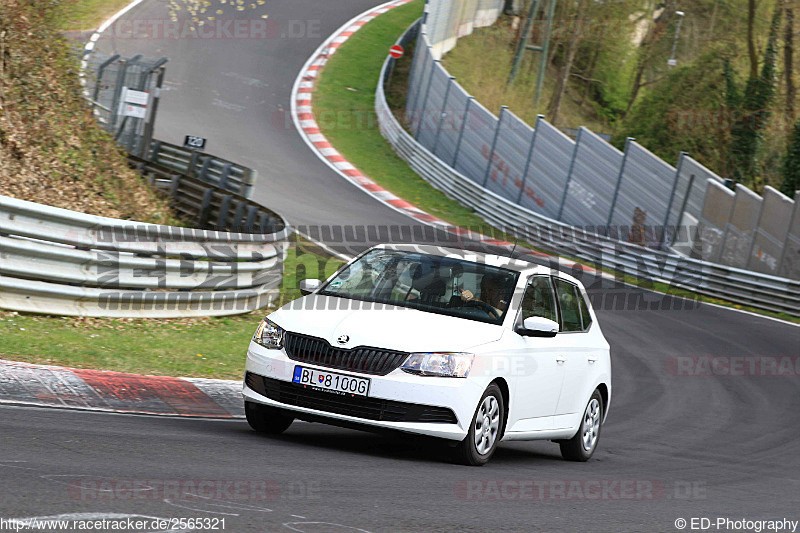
x: 728, y: 283
x: 211, y: 169
x: 56, y: 261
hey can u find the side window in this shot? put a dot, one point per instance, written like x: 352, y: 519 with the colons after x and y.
x: 587, y: 318
x: 568, y: 301
x: 539, y: 299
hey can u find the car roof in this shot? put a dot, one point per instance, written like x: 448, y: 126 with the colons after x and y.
x: 515, y: 264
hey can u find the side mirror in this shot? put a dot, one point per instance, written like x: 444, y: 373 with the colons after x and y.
x: 307, y: 286
x: 538, y: 326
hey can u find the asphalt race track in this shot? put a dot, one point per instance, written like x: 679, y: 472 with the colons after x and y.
x: 236, y: 92
x: 675, y: 445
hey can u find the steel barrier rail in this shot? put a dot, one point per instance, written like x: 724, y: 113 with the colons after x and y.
x: 56, y: 261
x: 208, y: 205
x: 211, y: 169
x: 719, y: 281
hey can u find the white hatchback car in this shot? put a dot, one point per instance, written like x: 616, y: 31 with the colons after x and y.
x: 470, y: 347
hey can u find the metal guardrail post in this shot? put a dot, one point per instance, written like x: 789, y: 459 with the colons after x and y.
x: 224, y: 211
x: 263, y: 223
x: 671, y: 200
x: 252, y: 212
x: 99, y: 78
x: 223, y: 179
x: 503, y: 109
x: 569, y: 173
x: 425, y: 100
x: 442, y: 114
x: 539, y: 118
x: 156, y: 151
x: 176, y: 182
x: 204, y: 169
x: 628, y: 142
x: 205, y: 208
x: 464, y: 120
x: 238, y: 215
x: 192, y: 163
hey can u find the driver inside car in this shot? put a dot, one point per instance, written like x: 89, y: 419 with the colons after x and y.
x: 493, y: 292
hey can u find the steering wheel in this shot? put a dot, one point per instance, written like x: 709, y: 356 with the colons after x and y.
x: 483, y: 306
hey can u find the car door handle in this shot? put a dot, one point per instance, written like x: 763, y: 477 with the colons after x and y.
x: 592, y: 359
x: 560, y: 359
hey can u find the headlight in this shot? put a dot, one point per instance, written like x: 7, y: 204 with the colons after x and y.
x: 269, y: 335
x: 447, y: 364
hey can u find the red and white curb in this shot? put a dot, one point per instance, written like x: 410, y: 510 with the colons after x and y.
x: 117, y: 392
x: 303, y: 117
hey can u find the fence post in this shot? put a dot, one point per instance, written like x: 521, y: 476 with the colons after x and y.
x: 412, y: 69
x: 147, y: 135
x: 755, y: 232
x: 461, y: 131
x: 539, y: 118
x: 788, y: 233
x: 671, y: 200
x: 100, y: 71
x: 619, y: 182
x: 114, y: 106
x: 442, y: 114
x: 682, y: 211
x: 494, y: 144
x: 569, y: 173
x: 417, y: 50
x: 425, y: 100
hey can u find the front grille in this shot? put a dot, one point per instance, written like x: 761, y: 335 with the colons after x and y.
x: 298, y: 395
x: 366, y: 360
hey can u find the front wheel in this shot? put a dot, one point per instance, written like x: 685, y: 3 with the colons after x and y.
x: 484, y: 431
x: 583, y: 444
x: 265, y: 419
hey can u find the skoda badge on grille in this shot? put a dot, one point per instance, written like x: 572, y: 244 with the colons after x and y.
x: 343, y: 339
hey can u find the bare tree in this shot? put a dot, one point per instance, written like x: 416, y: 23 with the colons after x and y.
x: 751, y: 40
x: 788, y: 61
x: 576, y: 34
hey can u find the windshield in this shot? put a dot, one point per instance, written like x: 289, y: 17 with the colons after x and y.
x: 441, y: 285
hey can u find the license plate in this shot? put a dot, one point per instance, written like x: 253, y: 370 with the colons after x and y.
x: 331, y: 381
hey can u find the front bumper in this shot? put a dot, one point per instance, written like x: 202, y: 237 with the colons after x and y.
x: 458, y: 395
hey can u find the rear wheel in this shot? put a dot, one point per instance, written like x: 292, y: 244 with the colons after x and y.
x: 266, y: 419
x: 484, y: 431
x: 583, y: 444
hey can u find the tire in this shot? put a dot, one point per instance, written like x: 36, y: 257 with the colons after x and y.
x: 485, y: 430
x: 265, y: 419
x: 582, y: 445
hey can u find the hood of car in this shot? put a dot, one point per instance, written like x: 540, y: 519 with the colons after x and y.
x: 382, y: 326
